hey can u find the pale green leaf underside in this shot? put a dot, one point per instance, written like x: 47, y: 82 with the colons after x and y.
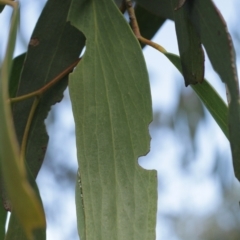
x: 111, y: 102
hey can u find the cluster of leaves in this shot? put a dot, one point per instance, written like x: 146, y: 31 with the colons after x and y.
x: 110, y: 95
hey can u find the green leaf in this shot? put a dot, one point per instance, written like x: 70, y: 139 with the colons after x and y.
x: 15, y: 230
x: 162, y: 8
x: 3, y: 218
x: 217, y: 41
x: 180, y: 3
x: 53, y: 47
x: 189, y: 44
x: 212, y: 101
x: 13, y: 85
x: 25, y: 203
x: 111, y: 102
x: 148, y: 23
x: 15, y: 74
x: 212, y: 30
x: 1, y: 8
x: 80, y: 208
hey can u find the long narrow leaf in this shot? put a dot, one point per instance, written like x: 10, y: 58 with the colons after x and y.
x: 148, y: 23
x: 189, y: 44
x: 1, y: 8
x: 3, y: 219
x: 24, y: 201
x: 214, y: 34
x: 17, y: 66
x: 53, y: 47
x: 161, y: 8
x: 13, y: 84
x: 80, y: 209
x: 15, y: 229
x: 211, y: 99
x: 111, y: 101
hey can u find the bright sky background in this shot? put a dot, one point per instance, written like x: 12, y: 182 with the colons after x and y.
x: 193, y: 193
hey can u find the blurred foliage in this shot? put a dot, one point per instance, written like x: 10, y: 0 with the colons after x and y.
x: 183, y: 122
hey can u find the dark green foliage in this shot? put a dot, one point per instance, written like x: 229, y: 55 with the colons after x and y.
x: 212, y: 101
x: 15, y: 74
x: 161, y: 8
x: 3, y: 218
x: 1, y: 8
x: 189, y: 44
x: 110, y: 94
x: 54, y: 45
x: 15, y: 230
x: 148, y: 23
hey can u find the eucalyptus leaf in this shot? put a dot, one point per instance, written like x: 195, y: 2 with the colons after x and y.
x: 13, y: 85
x: 189, y: 44
x: 15, y: 74
x: 180, y: 3
x: 111, y: 102
x: 3, y: 219
x: 211, y: 99
x: 80, y: 208
x: 53, y: 47
x: 1, y: 8
x: 212, y: 30
x: 148, y: 23
x: 24, y: 201
x: 15, y: 229
x: 217, y: 41
x: 161, y: 8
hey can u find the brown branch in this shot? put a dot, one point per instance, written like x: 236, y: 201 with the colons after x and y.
x: 40, y: 91
x: 132, y: 17
x: 136, y: 31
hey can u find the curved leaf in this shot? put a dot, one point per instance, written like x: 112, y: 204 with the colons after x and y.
x: 111, y: 102
x: 13, y: 85
x: 15, y: 74
x: 1, y: 7
x: 189, y: 44
x: 213, y: 32
x: 24, y: 201
x: 162, y: 8
x: 15, y: 229
x: 148, y: 23
x: 3, y: 219
x: 54, y: 46
x: 212, y: 101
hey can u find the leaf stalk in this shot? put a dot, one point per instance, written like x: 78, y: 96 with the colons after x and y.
x: 136, y: 31
x: 42, y: 90
x: 27, y: 129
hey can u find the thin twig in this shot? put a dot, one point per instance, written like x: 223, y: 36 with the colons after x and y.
x: 136, y: 31
x: 152, y: 44
x: 40, y: 91
x: 132, y: 17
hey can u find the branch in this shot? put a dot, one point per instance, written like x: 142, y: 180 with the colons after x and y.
x: 42, y: 90
x: 136, y: 31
